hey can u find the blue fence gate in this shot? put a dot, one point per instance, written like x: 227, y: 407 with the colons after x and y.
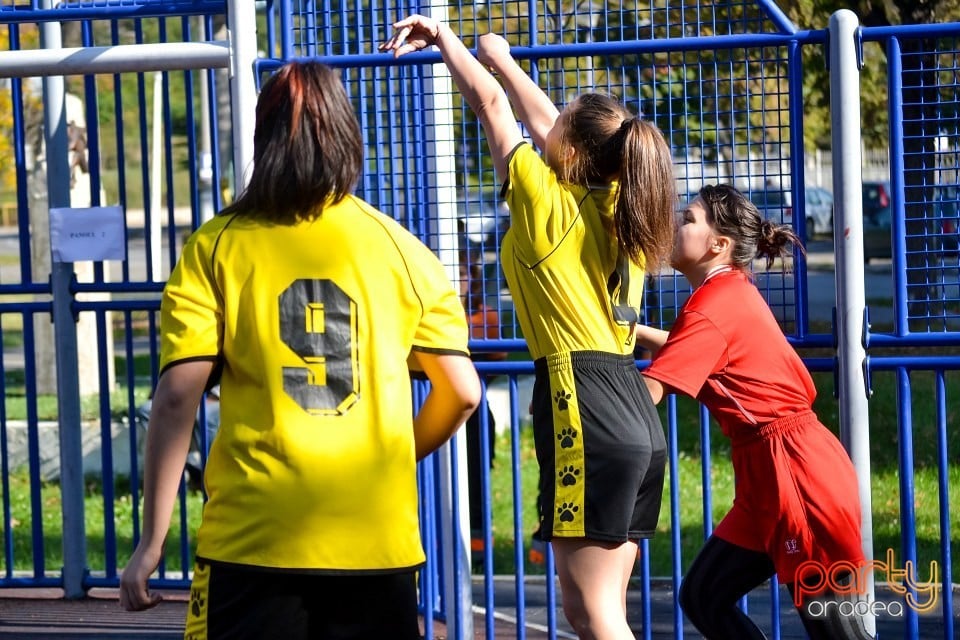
x: 157, y: 123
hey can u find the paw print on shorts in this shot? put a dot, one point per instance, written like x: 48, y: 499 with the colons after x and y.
x: 196, y: 602
x: 566, y: 437
x: 568, y: 475
x: 561, y: 398
x: 566, y: 510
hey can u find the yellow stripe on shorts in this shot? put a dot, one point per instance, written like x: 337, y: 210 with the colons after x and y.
x: 568, y: 450
x: 196, y: 627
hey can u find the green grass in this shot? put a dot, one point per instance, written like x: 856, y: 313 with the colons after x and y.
x: 885, y: 471
x: 885, y: 455
x: 21, y: 525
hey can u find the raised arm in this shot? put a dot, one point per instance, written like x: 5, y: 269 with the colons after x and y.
x: 481, y: 91
x: 536, y: 110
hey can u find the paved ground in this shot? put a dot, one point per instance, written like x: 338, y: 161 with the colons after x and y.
x: 41, y: 614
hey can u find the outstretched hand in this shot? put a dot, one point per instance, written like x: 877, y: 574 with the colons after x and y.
x: 413, y: 33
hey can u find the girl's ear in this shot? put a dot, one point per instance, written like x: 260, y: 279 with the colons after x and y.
x: 721, y: 244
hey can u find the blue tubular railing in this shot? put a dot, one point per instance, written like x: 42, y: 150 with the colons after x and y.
x: 101, y: 9
x: 907, y: 511
x: 675, y: 547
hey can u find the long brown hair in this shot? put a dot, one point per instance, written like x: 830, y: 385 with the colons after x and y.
x: 610, y: 143
x: 733, y: 215
x: 307, y: 146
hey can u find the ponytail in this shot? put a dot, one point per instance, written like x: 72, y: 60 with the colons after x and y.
x: 646, y: 203
x: 775, y: 240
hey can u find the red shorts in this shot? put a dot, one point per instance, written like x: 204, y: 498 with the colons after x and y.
x: 796, y: 496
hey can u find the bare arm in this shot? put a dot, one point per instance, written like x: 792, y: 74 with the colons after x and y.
x: 649, y: 338
x: 656, y: 389
x: 172, y: 417
x: 481, y: 91
x: 454, y: 395
x: 536, y: 110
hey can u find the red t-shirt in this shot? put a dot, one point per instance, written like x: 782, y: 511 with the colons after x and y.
x: 727, y: 351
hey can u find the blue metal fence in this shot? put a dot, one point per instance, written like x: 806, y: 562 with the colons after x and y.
x: 723, y: 81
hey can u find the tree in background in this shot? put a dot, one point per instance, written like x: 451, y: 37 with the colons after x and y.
x: 26, y: 37
x: 929, y: 112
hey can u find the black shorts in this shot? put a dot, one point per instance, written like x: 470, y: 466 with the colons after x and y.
x: 600, y: 446
x: 248, y: 603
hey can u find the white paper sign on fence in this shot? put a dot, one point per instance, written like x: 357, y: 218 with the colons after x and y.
x: 88, y: 233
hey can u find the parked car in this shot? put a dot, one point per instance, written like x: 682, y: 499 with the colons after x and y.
x: 877, y: 214
x: 945, y: 216
x: 941, y: 215
x: 818, y: 203
x: 193, y: 469
x: 482, y: 218
x: 773, y: 203
x: 776, y: 205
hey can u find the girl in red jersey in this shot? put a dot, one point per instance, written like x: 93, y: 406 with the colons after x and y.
x: 796, y: 491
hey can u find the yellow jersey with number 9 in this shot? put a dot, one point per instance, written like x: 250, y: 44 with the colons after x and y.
x: 313, y: 466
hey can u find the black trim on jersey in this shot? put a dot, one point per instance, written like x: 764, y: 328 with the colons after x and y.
x: 506, y: 183
x: 217, y: 368
x: 440, y: 351
x: 213, y: 254
x: 369, y: 211
x: 216, y: 374
x: 317, y: 572
x: 573, y: 222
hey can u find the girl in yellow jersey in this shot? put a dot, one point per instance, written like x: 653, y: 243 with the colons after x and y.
x: 312, y: 303
x: 586, y: 222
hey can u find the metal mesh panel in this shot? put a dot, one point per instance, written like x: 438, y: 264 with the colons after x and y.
x: 725, y: 111
x: 912, y: 217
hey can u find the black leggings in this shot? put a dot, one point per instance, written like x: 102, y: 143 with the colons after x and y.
x: 722, y: 573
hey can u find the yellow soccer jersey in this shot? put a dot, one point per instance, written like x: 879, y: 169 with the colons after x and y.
x: 571, y: 288
x: 313, y: 466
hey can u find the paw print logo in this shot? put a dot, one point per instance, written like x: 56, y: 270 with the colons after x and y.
x: 561, y: 399
x: 568, y: 475
x: 566, y: 511
x: 566, y: 437
x: 196, y: 602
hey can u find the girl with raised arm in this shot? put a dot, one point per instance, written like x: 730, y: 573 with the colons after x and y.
x: 586, y: 221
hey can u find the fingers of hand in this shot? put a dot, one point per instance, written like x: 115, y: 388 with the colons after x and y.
x: 138, y: 599
x: 397, y: 40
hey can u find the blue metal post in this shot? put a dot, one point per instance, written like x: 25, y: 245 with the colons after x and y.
x: 65, y: 330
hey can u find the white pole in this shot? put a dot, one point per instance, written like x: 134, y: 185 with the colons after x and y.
x: 438, y: 96
x: 205, y: 168
x: 114, y: 59
x: 848, y: 245
x: 242, y: 23
x: 155, y: 232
